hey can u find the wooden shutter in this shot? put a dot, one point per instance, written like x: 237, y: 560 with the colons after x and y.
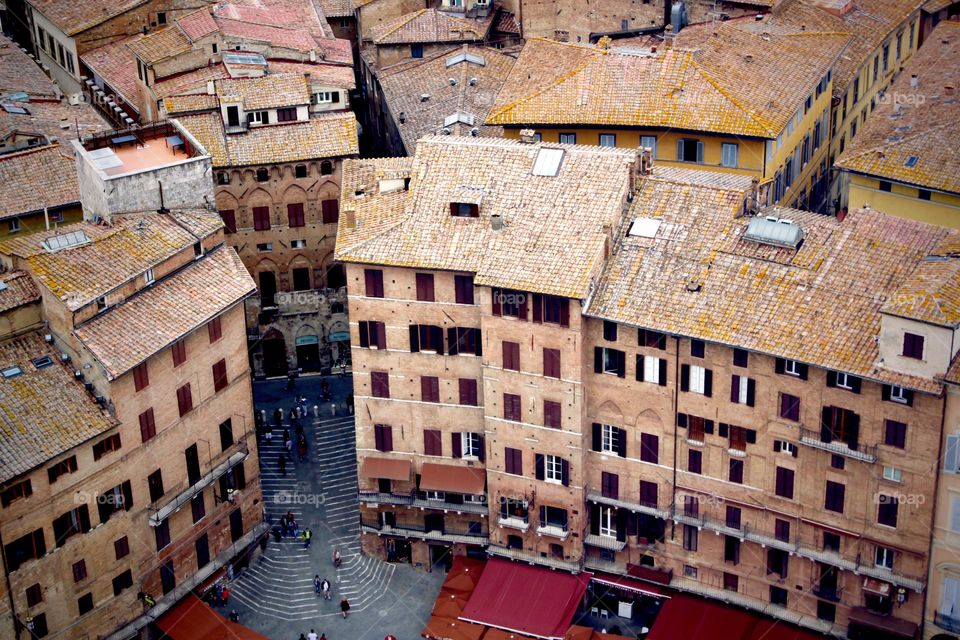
x: 803, y: 370
x: 598, y: 359
x: 497, y: 308
x: 831, y: 378
x: 436, y: 339
x: 453, y: 344
x: 621, y: 443
x: 537, y: 307
x: 621, y: 525
x: 229, y: 218
x: 735, y: 389
x: 456, y: 442
x: 621, y: 364
x: 482, y: 453
x: 751, y: 392
x: 220, y: 375
x: 141, y: 376
x: 414, y: 338
x: 639, y: 373
x: 523, y: 305
x: 595, y: 519
x: 539, y: 466
x: 649, y: 448
x: 564, y: 472
x: 364, y: 335
x: 184, y: 399
x: 707, y: 382
x: 597, y: 436
x: 425, y: 287
x: 663, y: 372
x: 855, y: 383
x: 564, y: 313
x: 148, y: 427
x: 853, y: 429
x: 826, y: 424
x: 684, y: 377
x: 780, y: 365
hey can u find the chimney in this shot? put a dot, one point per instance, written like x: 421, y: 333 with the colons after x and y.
x: 667, y: 12
x: 914, y: 81
x: 646, y: 161
x: 496, y: 221
x: 528, y: 136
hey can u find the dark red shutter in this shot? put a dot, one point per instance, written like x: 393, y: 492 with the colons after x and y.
x: 148, y: 427
x: 564, y: 313
x: 364, y: 335
x: 565, y: 472
x: 457, y: 444
x: 539, y: 466
x: 214, y: 329
x: 219, y: 375
x: 735, y: 389
x: 141, y: 377
x: 261, y: 218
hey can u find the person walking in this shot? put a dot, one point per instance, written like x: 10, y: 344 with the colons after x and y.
x: 337, y: 560
x: 225, y: 596
x: 282, y: 463
x: 234, y: 616
x: 307, y: 536
x: 312, y: 635
x: 325, y: 588
x: 344, y: 606
x: 317, y: 584
x: 302, y: 448
x: 288, y: 445
x: 302, y: 637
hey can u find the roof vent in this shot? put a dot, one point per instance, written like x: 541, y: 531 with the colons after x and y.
x: 475, y: 132
x: 424, y: 97
x: 452, y: 81
x: 472, y: 82
x: 11, y: 372
x: 644, y: 228
x: 446, y: 131
x: 403, y: 117
x: 778, y: 232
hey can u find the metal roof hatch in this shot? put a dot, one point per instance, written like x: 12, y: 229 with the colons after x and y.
x: 778, y: 232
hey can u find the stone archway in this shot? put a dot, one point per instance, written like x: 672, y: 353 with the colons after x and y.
x: 307, y: 345
x: 273, y: 346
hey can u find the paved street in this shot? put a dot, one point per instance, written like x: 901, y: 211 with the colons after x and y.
x: 275, y: 596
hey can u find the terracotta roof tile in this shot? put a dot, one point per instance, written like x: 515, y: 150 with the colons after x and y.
x: 43, y: 412
x: 190, y: 103
x: 20, y: 289
x: 162, y: 44
x: 117, y: 66
x: 18, y: 72
x: 931, y: 294
x: 322, y: 136
x: 197, y: 24
x: 37, y: 178
x: 115, y: 254
x: 404, y: 87
x: 711, y: 87
x: 337, y: 8
x: 126, y: 335
x: 551, y: 240
x: 74, y: 17
x: 189, y: 82
x: 700, y: 277
x: 266, y: 92
x: 430, y: 25
x: 335, y: 75
x: 904, y: 142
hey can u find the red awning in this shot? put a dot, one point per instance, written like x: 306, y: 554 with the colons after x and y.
x: 636, y: 586
x: 386, y: 468
x: 526, y: 599
x: 769, y: 629
x: 453, y: 478
x: 890, y: 625
x: 695, y: 619
x: 193, y: 619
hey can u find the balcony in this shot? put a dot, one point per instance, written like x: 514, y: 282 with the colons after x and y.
x: 864, y: 453
x: 479, y: 508
x: 605, y: 542
x: 530, y: 558
x: 222, y: 464
x: 553, y: 531
x: 629, y: 506
x: 448, y: 533
x: 375, y: 498
x: 948, y: 623
x: 831, y: 592
x: 764, y: 539
x: 521, y: 523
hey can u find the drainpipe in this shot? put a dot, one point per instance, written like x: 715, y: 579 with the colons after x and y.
x: 676, y: 433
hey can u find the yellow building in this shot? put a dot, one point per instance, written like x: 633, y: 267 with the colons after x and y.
x: 40, y: 190
x: 905, y: 161
x: 707, y: 102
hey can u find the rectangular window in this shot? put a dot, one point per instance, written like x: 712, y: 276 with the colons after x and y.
x: 21, y: 489
x: 468, y: 392
x: 729, y: 155
x: 330, y: 211
x: 608, y: 140
x: 608, y: 521
x: 648, y: 494
x: 789, y: 407
x: 121, y: 547
x: 698, y: 379
x: 652, y: 339
x: 79, y: 570
x: 71, y: 523
x: 416, y: 51
x: 609, y: 361
x: 463, y: 289
x: 650, y: 369
x: 689, y: 537
x: 895, y: 434
x: 649, y: 142
x: 840, y: 424
x: 155, y: 485
x: 373, y: 334
x: 649, y: 448
x: 184, y: 400
x: 695, y: 461
x: 568, y: 138
x: 35, y: 595
x: 179, y: 352
x: 425, y: 287
x: 609, y: 485
x: 740, y: 358
x: 105, y: 446
x: 379, y: 384
x: 383, y: 437
x: 122, y: 581
x: 220, y: 375
x: 511, y: 407
x: 551, y: 363
x: 733, y: 517
x: 286, y: 114
x: 784, y: 483
x: 689, y: 150
x: 261, y: 218
x: 736, y: 471
x: 509, y: 303
x: 912, y: 346
x: 887, y: 510
x: 214, y: 330
x: 892, y: 474
x: 432, y: 442
x: 883, y: 557
x: 429, y: 388
x: 513, y: 461
x: 743, y: 390
x: 551, y: 414
x: 511, y: 356
x: 295, y: 217
x: 197, y: 508
x: 140, y: 377
x: 609, y: 331
x: 553, y: 469
x: 465, y: 340
x: 835, y: 493
x: 551, y: 310
x: 374, y: 283
x: 609, y: 439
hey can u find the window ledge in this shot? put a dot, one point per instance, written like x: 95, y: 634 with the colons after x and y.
x: 695, y: 443
x: 738, y: 453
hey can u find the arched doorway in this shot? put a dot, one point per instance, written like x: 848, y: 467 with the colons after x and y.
x: 274, y: 350
x: 308, y: 349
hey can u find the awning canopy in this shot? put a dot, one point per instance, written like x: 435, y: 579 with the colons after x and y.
x: 767, y: 629
x: 193, y: 619
x: 386, y: 468
x: 888, y: 624
x: 636, y: 586
x: 453, y: 478
x: 876, y: 587
x: 526, y: 599
x: 694, y: 619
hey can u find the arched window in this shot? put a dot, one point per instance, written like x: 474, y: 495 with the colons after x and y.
x: 326, y: 168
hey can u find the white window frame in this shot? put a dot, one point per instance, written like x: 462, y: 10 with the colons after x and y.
x: 791, y: 367
x: 787, y: 447
x: 951, y: 456
x: 698, y: 376
x: 607, y: 352
x: 265, y: 246
x: 470, y: 444
x: 566, y: 135
x: 955, y: 513
x: 608, y: 438
x: 729, y: 148
x: 322, y: 97
x: 298, y: 244
x: 257, y: 116
x: 884, y: 557
x: 437, y: 496
x: 553, y: 469
x: 651, y: 143
x: 608, y: 522
x: 651, y: 369
x: 743, y: 389
x: 608, y: 137
x: 843, y: 381
x: 892, y: 474
x: 898, y: 394
x: 14, y: 225
x: 148, y: 276
x: 474, y: 498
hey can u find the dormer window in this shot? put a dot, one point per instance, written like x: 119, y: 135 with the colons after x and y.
x: 912, y: 346
x: 325, y: 97
x: 258, y: 117
x: 287, y: 114
x: 464, y: 210
x: 101, y: 304
x: 148, y: 277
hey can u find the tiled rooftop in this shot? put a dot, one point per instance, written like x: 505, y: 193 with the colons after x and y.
x: 337, y: 8
x: 18, y: 72
x: 551, y: 240
x: 322, y: 136
x: 905, y: 142
x: 405, y: 85
x: 700, y: 277
x: 43, y: 411
x: 162, y: 44
x: 266, y: 92
x: 126, y: 335
x: 115, y: 254
x: 197, y: 24
x: 74, y: 17
x: 20, y: 289
x: 36, y: 178
x: 710, y: 86
x: 430, y: 25
x: 116, y: 64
